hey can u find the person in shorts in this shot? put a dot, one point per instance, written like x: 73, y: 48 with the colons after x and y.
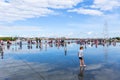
x: 80, y: 55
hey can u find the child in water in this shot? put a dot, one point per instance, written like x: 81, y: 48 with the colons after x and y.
x: 80, y: 55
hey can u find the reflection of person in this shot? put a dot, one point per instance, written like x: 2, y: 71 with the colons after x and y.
x: 36, y: 45
x: 2, y: 54
x: 80, y: 55
x: 81, y: 74
x: 8, y: 46
x: 46, y: 46
x: 65, y: 49
x: 1, y: 51
x: 40, y: 46
x: 20, y: 44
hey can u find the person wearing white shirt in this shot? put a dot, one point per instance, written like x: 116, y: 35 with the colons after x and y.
x: 80, y: 55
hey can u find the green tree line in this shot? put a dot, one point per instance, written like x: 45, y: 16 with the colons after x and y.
x: 7, y: 38
x: 118, y: 38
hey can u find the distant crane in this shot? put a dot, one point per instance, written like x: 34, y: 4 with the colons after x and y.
x: 105, y: 31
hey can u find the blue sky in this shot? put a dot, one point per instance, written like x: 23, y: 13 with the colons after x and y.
x: 59, y: 18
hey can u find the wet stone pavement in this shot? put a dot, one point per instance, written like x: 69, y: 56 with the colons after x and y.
x: 60, y: 63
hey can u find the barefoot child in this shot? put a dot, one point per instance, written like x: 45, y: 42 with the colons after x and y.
x: 80, y: 55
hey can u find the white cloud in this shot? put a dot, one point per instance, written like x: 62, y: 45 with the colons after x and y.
x: 87, y: 11
x: 19, y: 28
x: 93, y: 67
x: 89, y: 33
x: 26, y: 31
x: 99, y: 7
x: 64, y: 3
x: 13, y: 10
x: 106, y: 4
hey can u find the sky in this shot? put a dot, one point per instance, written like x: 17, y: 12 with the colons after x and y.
x: 60, y: 18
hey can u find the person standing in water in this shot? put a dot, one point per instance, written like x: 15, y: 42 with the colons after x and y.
x: 80, y: 55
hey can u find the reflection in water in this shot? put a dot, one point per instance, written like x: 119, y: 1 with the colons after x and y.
x: 96, y: 45
x: 81, y: 74
x: 39, y: 44
x: 105, y: 52
x: 29, y: 46
x: 45, y: 46
x: 56, y: 68
x: 65, y: 51
x: 50, y: 44
x: 114, y: 43
x: 85, y: 46
x: 1, y: 52
x: 65, y: 48
x: 20, y: 45
x: 8, y: 46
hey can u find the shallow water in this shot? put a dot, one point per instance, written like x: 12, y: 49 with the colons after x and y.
x: 51, y: 62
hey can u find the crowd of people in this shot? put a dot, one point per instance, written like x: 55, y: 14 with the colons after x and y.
x: 43, y: 44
